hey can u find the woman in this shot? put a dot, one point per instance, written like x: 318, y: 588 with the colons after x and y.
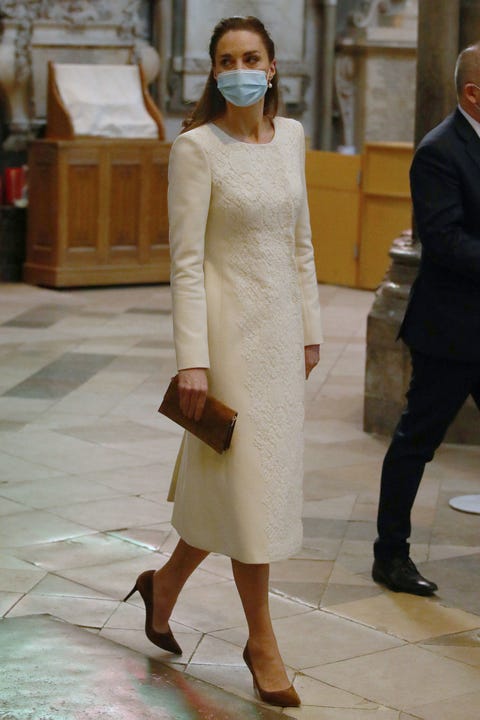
x: 243, y: 277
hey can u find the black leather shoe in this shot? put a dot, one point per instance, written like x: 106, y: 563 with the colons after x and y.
x: 401, y: 575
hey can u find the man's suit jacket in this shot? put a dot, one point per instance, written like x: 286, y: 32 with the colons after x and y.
x: 443, y: 313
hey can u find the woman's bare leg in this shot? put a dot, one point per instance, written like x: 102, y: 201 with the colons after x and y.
x: 252, y: 586
x: 170, y: 579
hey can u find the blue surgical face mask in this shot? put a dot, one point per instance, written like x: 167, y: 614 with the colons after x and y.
x: 243, y: 87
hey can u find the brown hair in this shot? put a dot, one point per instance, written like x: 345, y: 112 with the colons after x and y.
x: 212, y: 104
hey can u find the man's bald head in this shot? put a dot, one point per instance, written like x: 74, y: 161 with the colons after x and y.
x: 467, y: 69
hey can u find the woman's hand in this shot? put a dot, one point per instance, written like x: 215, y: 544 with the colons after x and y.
x: 192, y: 388
x: 312, y: 358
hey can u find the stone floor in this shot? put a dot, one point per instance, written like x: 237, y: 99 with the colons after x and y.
x: 85, y: 462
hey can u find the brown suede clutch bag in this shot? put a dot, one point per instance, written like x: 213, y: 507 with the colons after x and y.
x: 216, y: 425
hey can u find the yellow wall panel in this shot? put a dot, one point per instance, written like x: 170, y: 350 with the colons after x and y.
x: 334, y: 200
x: 383, y: 219
x: 386, y: 207
x: 386, y: 167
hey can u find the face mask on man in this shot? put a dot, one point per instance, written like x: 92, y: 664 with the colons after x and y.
x: 243, y: 87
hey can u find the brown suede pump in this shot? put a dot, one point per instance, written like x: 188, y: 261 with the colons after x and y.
x: 144, y: 586
x: 280, y: 698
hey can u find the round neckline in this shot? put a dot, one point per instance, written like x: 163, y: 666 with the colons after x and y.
x: 244, y: 142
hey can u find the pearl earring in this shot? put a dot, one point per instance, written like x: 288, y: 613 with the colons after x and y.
x: 270, y: 85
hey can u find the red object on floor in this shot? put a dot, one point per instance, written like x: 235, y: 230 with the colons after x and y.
x: 14, y: 182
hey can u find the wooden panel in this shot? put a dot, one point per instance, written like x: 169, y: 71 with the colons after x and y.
x: 383, y: 220
x: 83, y: 189
x: 334, y: 200
x: 41, y: 215
x: 385, y: 169
x: 386, y: 207
x: 158, y: 212
x: 125, y: 206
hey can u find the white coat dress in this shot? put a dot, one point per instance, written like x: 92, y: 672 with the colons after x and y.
x: 245, y: 302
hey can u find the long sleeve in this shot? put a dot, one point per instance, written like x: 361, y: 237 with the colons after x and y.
x: 439, y: 196
x: 189, y: 188
x: 312, y: 324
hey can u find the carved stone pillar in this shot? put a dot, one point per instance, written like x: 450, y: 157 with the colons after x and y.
x: 326, y: 24
x: 469, y: 22
x: 388, y: 363
x: 438, y: 31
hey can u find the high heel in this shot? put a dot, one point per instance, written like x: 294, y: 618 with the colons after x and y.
x: 144, y: 586
x: 280, y: 698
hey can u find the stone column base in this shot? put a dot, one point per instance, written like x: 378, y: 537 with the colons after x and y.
x: 388, y: 369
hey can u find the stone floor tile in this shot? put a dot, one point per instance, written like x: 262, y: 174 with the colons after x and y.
x: 315, y: 637
x: 9, y: 562
x: 309, y: 593
x: 113, y: 513
x: 60, y: 452
x: 151, y: 537
x: 8, y: 600
x: 107, y: 431
x: 218, y: 565
x: 464, y: 647
x: 332, y: 431
x: 211, y: 608
x: 339, y: 508
x: 343, y: 406
x: 215, y: 607
x: 9, y: 507
x: 128, y: 616
x: 117, y: 579
x: 406, y: 616
x: 55, y: 491
x: 18, y: 469
x: 316, y: 713
x: 321, y: 696
x: 234, y: 679
x: 37, y: 526
x: 138, y: 641
x: 213, y: 651
x: 57, y: 586
x: 325, y: 456
x: 458, y: 579
x: 465, y: 655
x: 319, y: 548
x: 89, y: 612
x: 446, y: 552
x: 151, y: 450
x: 154, y: 477
x: 103, y: 679
x: 295, y: 570
x: 463, y: 707
x: 20, y: 580
x: 321, y: 483
x: 336, y: 594
x: 403, y: 677
x: 79, y: 552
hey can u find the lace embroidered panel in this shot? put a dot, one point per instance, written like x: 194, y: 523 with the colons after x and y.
x: 261, y: 202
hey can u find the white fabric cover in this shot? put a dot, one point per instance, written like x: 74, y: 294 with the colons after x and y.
x: 105, y: 100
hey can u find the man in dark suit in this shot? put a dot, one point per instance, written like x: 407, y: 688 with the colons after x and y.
x: 442, y: 322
